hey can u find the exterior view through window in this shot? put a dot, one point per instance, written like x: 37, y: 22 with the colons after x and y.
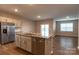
x: 66, y: 27
x: 45, y: 30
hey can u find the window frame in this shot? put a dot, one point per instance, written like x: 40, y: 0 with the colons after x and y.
x: 66, y: 27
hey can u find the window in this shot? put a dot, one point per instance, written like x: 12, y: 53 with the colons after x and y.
x: 44, y: 29
x: 67, y: 27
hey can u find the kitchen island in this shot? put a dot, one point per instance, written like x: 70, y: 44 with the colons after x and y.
x: 35, y: 43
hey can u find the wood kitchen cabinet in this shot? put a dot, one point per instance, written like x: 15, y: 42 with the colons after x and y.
x: 34, y: 45
x: 38, y: 46
x: 23, y: 42
x: 26, y: 43
x: 29, y: 44
x: 17, y: 40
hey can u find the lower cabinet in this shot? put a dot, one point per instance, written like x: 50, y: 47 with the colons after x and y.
x: 17, y: 41
x: 34, y: 45
x: 26, y: 43
x: 38, y: 46
x: 29, y: 44
x: 23, y: 43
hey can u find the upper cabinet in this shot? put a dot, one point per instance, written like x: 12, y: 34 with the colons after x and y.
x: 11, y: 20
x: 17, y: 23
x: 3, y: 19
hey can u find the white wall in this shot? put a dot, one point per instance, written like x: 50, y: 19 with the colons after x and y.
x: 28, y: 26
x: 47, y: 21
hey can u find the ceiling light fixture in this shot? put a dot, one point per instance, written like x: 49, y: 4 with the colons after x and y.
x: 16, y: 10
x: 38, y: 16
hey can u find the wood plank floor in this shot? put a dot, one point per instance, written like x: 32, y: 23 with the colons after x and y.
x: 62, y: 46
x: 11, y: 49
x: 65, y: 45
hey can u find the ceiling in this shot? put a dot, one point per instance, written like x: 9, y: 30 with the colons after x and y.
x: 45, y: 11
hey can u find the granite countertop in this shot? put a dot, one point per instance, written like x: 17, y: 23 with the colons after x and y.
x: 18, y: 33
x: 34, y: 35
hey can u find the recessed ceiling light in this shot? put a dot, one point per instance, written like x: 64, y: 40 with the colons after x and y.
x: 38, y: 16
x: 16, y: 10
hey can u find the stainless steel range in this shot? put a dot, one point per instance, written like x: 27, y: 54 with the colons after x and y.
x: 7, y: 32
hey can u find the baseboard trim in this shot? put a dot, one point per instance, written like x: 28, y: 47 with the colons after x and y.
x: 66, y: 36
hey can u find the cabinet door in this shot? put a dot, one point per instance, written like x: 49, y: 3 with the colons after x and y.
x: 23, y: 42
x: 40, y: 46
x: 9, y: 20
x: 29, y: 43
x: 17, y: 40
x: 34, y: 47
